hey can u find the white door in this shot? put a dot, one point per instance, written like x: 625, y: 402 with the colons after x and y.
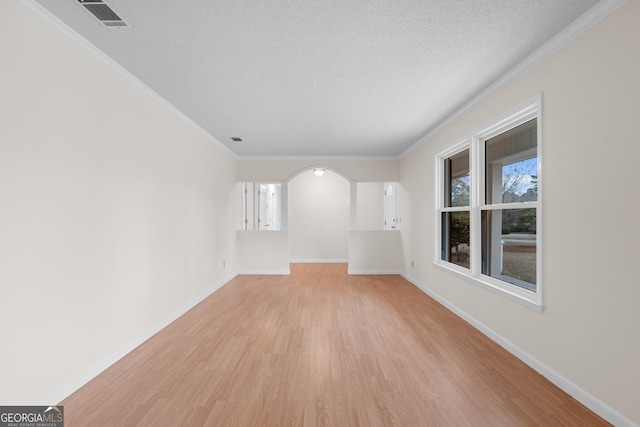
x: 389, y: 205
x: 247, y: 205
x: 269, y: 206
x: 263, y: 207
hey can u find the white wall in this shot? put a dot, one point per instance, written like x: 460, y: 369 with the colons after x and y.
x: 587, y: 333
x: 375, y: 252
x: 318, y: 217
x: 281, y: 169
x: 115, y: 216
x: 370, y: 206
x: 263, y: 252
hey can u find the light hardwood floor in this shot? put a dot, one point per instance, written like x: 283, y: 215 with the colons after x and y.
x: 321, y: 348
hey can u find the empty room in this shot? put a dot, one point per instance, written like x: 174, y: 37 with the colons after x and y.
x: 320, y: 213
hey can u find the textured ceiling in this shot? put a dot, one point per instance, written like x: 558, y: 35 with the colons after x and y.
x: 321, y: 77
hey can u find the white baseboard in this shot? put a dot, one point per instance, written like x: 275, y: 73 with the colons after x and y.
x: 319, y: 261
x: 267, y: 272
x: 581, y: 395
x: 359, y: 272
x: 83, y: 378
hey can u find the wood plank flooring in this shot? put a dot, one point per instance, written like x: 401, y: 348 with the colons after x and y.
x: 321, y: 348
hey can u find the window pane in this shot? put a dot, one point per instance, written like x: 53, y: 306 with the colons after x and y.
x: 511, y: 165
x: 456, y: 178
x: 509, y: 246
x: 455, y: 238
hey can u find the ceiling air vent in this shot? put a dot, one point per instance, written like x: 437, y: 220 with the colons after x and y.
x: 103, y: 13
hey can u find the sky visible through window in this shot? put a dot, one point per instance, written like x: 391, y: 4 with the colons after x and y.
x: 520, y: 177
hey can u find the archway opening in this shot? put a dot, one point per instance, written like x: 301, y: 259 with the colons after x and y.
x: 319, y: 216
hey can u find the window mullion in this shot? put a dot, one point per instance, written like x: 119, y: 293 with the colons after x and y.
x: 477, y: 183
x: 518, y: 205
x: 439, y: 203
x: 456, y: 209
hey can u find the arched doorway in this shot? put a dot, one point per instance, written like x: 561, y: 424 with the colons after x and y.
x: 319, y: 215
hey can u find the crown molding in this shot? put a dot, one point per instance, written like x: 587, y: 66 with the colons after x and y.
x: 66, y: 33
x: 571, y: 32
x: 579, y: 26
x: 320, y: 158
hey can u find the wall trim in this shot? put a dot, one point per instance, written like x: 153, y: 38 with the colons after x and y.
x: 590, y: 18
x: 62, y: 30
x: 500, y: 291
x: 344, y: 157
x: 83, y: 378
x: 579, y: 26
x: 581, y: 395
x: 319, y: 261
x: 373, y: 272
x: 265, y: 272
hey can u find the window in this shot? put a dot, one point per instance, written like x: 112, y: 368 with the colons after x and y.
x: 489, y: 207
x: 456, y: 210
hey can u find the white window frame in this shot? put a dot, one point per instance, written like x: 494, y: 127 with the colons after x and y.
x: 450, y: 152
x: 531, y: 109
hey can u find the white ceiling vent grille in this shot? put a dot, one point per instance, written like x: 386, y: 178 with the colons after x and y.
x: 103, y: 13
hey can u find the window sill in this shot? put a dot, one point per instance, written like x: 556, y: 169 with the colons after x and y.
x: 521, y: 296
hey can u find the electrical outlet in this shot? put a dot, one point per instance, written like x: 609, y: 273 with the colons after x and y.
x: 224, y: 264
x: 412, y: 264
